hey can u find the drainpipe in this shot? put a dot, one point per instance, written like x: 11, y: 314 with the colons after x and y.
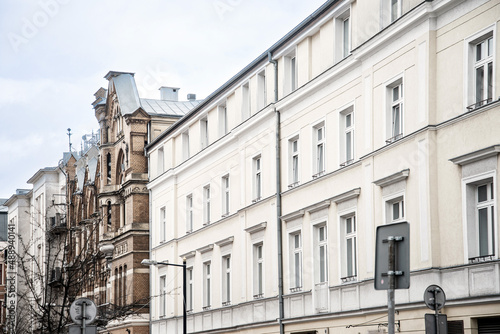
x: 281, y: 305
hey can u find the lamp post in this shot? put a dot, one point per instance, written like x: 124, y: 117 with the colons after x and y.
x: 148, y: 262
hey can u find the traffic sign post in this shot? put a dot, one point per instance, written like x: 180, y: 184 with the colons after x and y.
x: 392, y: 263
x: 435, y: 298
x: 83, y: 312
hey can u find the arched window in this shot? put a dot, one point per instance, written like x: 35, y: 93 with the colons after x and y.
x: 124, y: 293
x: 116, y: 286
x: 108, y: 167
x: 109, y: 215
x: 120, y: 168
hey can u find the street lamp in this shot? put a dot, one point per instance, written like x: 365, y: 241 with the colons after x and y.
x: 149, y: 262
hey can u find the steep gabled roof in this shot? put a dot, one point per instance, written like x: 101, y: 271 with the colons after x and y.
x: 126, y: 91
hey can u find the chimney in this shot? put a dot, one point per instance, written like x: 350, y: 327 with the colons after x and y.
x: 191, y: 97
x: 169, y: 93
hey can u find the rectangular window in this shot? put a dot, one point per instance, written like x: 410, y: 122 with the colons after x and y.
x: 395, y: 116
x: 293, y: 146
x: 322, y: 255
x: 290, y: 73
x: 347, y: 136
x: 206, y: 205
x: 163, y: 295
x: 293, y: 73
x: 319, y: 150
x: 189, y: 289
x: 245, y: 101
x: 204, y: 132
x: 296, y: 262
x: 395, y: 210
x: 189, y: 213
x: 345, y: 37
x: 258, y: 272
x: 395, y: 9
x: 483, y: 69
x: 222, y: 120
x: 163, y: 224
x: 257, y: 178
x: 225, y: 195
x: 226, y: 280
x: 485, y: 213
x: 161, y: 161
x: 261, y: 90
x: 207, y: 285
x: 349, y: 251
x: 185, y: 145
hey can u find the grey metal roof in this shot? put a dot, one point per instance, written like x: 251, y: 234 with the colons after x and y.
x: 126, y: 91
x: 168, y: 108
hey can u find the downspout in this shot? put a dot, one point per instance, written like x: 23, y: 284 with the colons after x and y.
x: 281, y: 305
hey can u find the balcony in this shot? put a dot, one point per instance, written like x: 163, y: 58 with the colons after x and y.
x: 55, y: 278
x: 57, y: 224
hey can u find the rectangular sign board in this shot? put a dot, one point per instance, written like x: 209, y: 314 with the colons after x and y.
x: 77, y: 329
x: 401, y: 234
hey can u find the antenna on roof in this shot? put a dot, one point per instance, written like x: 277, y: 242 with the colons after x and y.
x: 69, y: 139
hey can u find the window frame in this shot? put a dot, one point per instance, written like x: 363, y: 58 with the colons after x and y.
x: 257, y: 177
x: 163, y: 224
x: 206, y: 205
x: 189, y: 289
x: 391, y: 104
x: 349, y: 270
x: 207, y: 285
x: 226, y: 279
x: 258, y: 270
x: 319, y: 145
x: 294, y: 161
x: 296, y: 267
x: 189, y: 213
x: 204, y: 137
x: 226, y: 193
x: 162, y: 307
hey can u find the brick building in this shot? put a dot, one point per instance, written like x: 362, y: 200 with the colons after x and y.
x: 118, y: 202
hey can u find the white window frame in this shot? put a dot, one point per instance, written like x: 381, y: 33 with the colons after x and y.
x: 258, y: 270
x: 396, y: 9
x: 471, y: 101
x: 395, y: 110
x: 319, y: 149
x: 294, y: 161
x: 223, y: 120
x: 290, y: 82
x: 163, y: 224
x: 189, y: 213
x: 257, y: 178
x: 189, y: 289
x: 471, y: 207
x: 320, y: 272
x: 162, y: 310
x: 226, y: 280
x: 347, y: 131
x: 204, y: 132
x: 226, y: 199
x: 261, y: 90
x: 246, y: 104
x: 390, y: 204
x: 349, y: 263
x: 185, y: 145
x: 206, y: 205
x: 207, y: 285
x: 296, y: 261
x: 161, y: 161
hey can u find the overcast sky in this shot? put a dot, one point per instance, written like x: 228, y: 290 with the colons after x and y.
x: 55, y: 53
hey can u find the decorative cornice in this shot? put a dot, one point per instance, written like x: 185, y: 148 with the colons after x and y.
x: 206, y: 248
x: 256, y: 228
x: 476, y: 155
x: 293, y: 215
x: 224, y: 242
x: 188, y: 255
x: 391, y: 179
x: 318, y: 206
x: 346, y: 196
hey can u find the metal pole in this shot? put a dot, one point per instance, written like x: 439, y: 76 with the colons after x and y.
x: 184, y: 290
x: 390, y: 291
x: 436, y: 306
x: 84, y: 317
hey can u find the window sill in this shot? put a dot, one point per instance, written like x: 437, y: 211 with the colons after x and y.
x: 256, y: 199
x: 293, y: 185
x: 259, y: 296
x: 228, y: 303
x: 479, y: 104
x: 206, y: 308
x: 481, y: 259
x: 317, y: 175
x: 347, y: 163
x: 206, y: 223
x: 296, y: 289
x: 394, y: 139
x: 348, y: 279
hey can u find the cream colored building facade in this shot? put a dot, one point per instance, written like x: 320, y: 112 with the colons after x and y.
x: 385, y: 111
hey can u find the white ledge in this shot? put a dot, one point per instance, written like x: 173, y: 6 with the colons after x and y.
x: 206, y: 248
x: 346, y: 196
x: 318, y: 206
x: 476, y: 156
x: 293, y: 215
x: 224, y: 242
x: 391, y: 179
x: 256, y: 228
x: 188, y: 255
